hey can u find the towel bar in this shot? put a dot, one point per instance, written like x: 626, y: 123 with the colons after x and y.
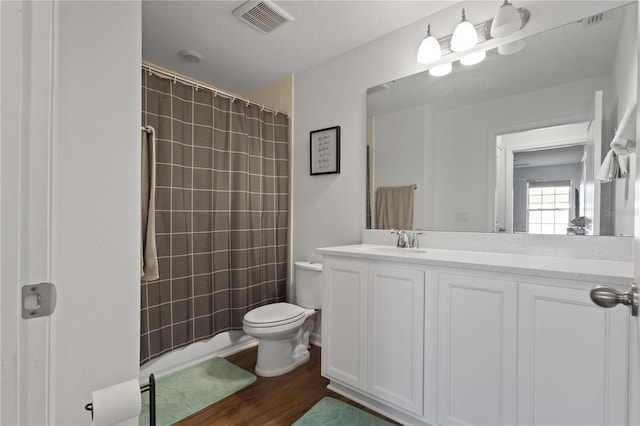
x: 151, y: 387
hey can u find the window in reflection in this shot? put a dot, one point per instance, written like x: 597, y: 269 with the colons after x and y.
x: 548, y: 207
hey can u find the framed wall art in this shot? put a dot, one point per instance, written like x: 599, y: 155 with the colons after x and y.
x: 325, y: 151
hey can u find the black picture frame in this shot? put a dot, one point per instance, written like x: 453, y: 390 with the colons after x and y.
x: 324, y: 157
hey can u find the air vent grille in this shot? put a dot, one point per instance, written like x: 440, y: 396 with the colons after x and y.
x: 263, y: 16
x: 595, y: 19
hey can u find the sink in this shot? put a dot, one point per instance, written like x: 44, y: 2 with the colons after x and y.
x: 397, y: 251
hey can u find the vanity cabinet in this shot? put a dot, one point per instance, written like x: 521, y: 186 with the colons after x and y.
x: 428, y: 345
x: 373, y: 331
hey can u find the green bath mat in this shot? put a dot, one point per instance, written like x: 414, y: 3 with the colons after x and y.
x: 330, y: 411
x: 184, y: 392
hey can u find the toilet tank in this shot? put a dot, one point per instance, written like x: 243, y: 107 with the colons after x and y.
x: 308, y: 284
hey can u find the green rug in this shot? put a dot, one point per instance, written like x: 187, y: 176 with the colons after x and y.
x: 184, y: 392
x: 329, y: 411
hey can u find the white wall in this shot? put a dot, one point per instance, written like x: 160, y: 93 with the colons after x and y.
x: 329, y: 210
x: 96, y: 202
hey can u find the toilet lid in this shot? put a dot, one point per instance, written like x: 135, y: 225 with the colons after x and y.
x: 273, y: 315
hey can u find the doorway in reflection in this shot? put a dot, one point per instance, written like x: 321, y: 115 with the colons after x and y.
x: 546, y: 191
x: 545, y: 177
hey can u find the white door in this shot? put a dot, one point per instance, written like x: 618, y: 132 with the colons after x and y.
x: 634, y: 360
x: 476, y: 350
x: 572, y: 358
x: 25, y: 208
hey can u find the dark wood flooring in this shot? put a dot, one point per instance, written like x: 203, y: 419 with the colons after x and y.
x: 277, y: 400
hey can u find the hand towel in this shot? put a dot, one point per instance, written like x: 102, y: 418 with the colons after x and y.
x: 148, y: 253
x: 394, y: 207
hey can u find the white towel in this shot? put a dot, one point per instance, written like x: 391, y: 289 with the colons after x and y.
x: 623, y: 146
x: 610, y: 167
x: 623, y: 162
x: 148, y: 252
x: 616, y: 163
x: 623, y: 142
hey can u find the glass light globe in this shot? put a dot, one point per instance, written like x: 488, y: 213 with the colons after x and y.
x: 511, y: 48
x: 473, y: 58
x: 429, y: 50
x: 440, y: 70
x: 464, y: 36
x: 506, y: 22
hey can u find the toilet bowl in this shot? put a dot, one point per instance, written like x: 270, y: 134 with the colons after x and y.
x: 283, y: 329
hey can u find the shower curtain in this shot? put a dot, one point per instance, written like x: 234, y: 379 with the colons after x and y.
x: 221, y: 213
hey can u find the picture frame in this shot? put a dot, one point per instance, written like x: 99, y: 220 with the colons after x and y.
x: 325, y: 151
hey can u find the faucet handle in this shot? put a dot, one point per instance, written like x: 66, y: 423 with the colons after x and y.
x: 415, y: 243
x: 403, y: 238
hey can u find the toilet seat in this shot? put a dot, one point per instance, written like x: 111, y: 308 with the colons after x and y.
x: 273, y: 315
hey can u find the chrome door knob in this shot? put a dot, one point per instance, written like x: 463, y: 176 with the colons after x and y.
x: 608, y: 297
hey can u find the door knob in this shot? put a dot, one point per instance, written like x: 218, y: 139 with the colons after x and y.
x: 608, y: 297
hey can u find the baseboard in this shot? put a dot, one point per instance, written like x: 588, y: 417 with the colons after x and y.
x: 315, y: 339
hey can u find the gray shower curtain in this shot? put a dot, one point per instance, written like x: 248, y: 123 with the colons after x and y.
x: 221, y: 214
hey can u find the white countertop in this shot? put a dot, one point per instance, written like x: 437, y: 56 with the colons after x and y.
x: 593, y: 270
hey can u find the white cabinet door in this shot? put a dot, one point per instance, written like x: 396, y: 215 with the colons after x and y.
x: 344, y: 356
x: 476, y: 350
x: 572, y: 358
x: 395, y: 307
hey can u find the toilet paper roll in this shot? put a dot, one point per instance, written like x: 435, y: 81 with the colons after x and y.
x: 117, y: 403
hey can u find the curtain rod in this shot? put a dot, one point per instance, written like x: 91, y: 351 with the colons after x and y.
x: 163, y: 72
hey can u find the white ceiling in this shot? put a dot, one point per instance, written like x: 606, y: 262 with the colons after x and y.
x: 239, y: 59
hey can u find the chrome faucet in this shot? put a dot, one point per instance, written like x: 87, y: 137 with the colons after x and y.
x: 403, y: 238
x: 415, y: 243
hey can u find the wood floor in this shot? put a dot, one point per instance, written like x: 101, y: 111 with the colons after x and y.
x: 270, y: 400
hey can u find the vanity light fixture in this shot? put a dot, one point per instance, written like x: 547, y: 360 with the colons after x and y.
x: 473, y: 58
x: 432, y: 49
x: 506, y: 22
x: 464, y: 36
x: 441, y: 70
x: 429, y: 50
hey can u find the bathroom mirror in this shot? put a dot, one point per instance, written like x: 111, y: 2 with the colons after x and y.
x: 446, y: 135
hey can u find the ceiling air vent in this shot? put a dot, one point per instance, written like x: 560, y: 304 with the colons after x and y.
x: 263, y: 15
x: 595, y: 19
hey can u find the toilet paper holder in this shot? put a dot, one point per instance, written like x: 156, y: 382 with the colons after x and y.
x: 151, y: 388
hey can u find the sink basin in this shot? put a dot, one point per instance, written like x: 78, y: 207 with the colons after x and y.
x: 391, y: 250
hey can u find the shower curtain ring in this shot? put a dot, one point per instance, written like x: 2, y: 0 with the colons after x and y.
x: 197, y: 84
x: 262, y: 109
x: 248, y: 103
x: 175, y: 79
x: 215, y: 93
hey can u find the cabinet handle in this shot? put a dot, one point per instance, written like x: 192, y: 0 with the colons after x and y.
x: 608, y: 297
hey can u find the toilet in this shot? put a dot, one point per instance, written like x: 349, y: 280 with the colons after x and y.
x: 283, y: 329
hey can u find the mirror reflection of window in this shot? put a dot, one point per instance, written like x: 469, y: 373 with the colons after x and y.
x: 548, y: 207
